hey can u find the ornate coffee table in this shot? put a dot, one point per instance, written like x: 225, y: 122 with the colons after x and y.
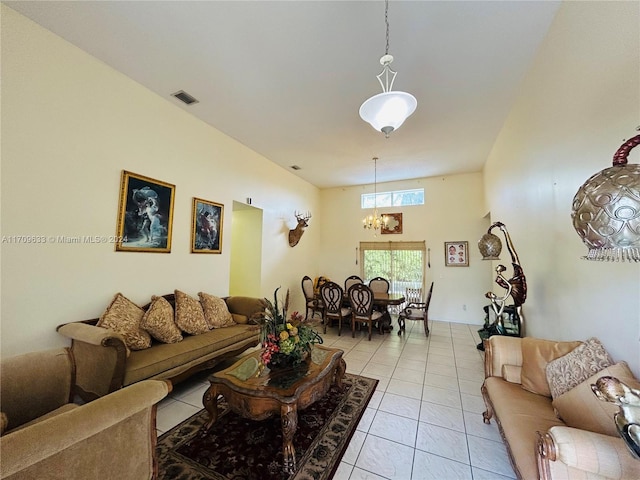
x: 258, y: 394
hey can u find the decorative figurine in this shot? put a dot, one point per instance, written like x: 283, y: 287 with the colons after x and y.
x: 627, y: 420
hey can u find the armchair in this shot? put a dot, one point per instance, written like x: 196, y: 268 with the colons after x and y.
x: 49, y: 437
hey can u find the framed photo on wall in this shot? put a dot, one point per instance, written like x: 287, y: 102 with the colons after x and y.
x: 394, y: 224
x: 456, y: 254
x: 206, y: 226
x: 145, y: 215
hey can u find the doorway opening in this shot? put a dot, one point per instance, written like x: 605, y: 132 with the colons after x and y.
x: 246, y: 251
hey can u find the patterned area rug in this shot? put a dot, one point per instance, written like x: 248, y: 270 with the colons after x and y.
x: 240, y: 449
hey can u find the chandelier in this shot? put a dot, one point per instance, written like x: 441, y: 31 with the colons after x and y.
x: 388, y: 110
x: 375, y: 221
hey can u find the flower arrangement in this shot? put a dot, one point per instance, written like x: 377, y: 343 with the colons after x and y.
x: 285, y: 342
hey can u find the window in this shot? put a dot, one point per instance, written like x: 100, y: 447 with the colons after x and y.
x: 402, y: 263
x: 398, y: 198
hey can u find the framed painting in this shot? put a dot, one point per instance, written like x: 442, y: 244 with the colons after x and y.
x: 394, y: 224
x: 456, y: 254
x: 145, y: 216
x: 206, y: 226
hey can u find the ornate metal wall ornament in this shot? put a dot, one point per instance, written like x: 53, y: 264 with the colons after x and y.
x: 627, y: 420
x: 606, y: 210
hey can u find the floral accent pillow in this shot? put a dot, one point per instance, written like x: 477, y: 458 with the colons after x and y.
x: 158, y: 321
x: 123, y: 317
x: 189, y: 314
x: 570, y: 370
x: 216, y: 311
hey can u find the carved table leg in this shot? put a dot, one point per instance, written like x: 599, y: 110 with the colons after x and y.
x: 210, y: 402
x: 341, y: 367
x: 289, y: 419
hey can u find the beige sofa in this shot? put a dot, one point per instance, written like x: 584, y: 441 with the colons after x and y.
x: 104, y: 363
x: 540, y: 444
x: 45, y: 436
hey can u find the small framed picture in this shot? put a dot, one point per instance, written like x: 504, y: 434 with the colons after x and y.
x: 456, y: 254
x: 393, y: 225
x: 206, y: 226
x: 145, y: 215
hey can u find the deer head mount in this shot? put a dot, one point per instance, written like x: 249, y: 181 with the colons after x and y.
x: 296, y: 234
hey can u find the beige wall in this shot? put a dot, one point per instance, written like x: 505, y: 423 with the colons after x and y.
x: 453, y: 211
x: 70, y: 125
x: 579, y: 101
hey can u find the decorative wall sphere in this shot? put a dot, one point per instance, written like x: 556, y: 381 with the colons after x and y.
x: 606, y: 213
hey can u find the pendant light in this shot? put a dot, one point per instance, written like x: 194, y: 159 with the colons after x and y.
x: 374, y: 221
x: 388, y: 110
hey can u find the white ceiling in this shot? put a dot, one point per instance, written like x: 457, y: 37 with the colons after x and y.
x: 286, y: 78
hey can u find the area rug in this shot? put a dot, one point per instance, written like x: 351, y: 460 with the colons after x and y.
x: 240, y: 449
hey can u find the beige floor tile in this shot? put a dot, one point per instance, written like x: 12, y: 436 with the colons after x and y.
x: 442, y: 415
x: 387, y: 459
x: 442, y: 441
x: 395, y: 428
x: 427, y: 466
x: 490, y: 456
x: 399, y: 405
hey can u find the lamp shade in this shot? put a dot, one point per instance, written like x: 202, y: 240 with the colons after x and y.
x: 388, y: 110
x: 606, y: 210
x: 490, y: 246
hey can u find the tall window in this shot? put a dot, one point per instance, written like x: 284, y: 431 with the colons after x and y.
x: 402, y: 263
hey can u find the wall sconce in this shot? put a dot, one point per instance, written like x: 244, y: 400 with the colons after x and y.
x: 606, y: 210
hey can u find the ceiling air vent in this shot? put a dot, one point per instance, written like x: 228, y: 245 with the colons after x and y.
x: 296, y: 167
x: 184, y: 97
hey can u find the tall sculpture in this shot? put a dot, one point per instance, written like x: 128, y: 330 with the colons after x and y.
x: 515, y: 287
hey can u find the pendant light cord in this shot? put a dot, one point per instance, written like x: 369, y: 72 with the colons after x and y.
x: 386, y: 21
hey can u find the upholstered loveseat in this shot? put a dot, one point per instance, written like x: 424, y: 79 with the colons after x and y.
x: 552, y: 424
x: 106, y: 360
x: 46, y: 436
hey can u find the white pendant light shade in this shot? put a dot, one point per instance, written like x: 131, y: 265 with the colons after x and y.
x: 387, y: 111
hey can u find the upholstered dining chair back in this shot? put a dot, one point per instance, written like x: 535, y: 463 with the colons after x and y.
x: 332, y: 298
x: 313, y: 304
x: 351, y: 280
x: 361, y: 300
x: 379, y: 285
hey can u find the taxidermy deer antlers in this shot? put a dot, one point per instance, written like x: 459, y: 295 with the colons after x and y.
x: 296, y: 234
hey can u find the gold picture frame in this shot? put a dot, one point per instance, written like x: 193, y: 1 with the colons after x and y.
x: 393, y: 225
x: 206, y: 226
x: 145, y: 214
x: 456, y: 254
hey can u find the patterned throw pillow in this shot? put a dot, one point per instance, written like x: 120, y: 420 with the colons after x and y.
x: 216, y: 311
x: 566, y: 372
x: 123, y: 317
x: 189, y: 314
x: 158, y: 321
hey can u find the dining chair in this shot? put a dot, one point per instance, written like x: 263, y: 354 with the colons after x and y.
x: 361, y: 300
x: 415, y: 309
x: 313, y: 303
x: 332, y: 296
x: 379, y: 285
x: 352, y: 280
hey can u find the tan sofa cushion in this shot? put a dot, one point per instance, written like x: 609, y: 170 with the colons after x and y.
x: 189, y: 314
x: 216, y: 312
x: 536, y: 353
x: 163, y: 357
x: 512, y: 373
x: 159, y: 321
x: 585, y: 360
x: 521, y: 414
x: 580, y: 408
x: 123, y: 317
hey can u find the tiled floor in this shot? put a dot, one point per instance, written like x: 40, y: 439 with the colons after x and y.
x: 425, y: 418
